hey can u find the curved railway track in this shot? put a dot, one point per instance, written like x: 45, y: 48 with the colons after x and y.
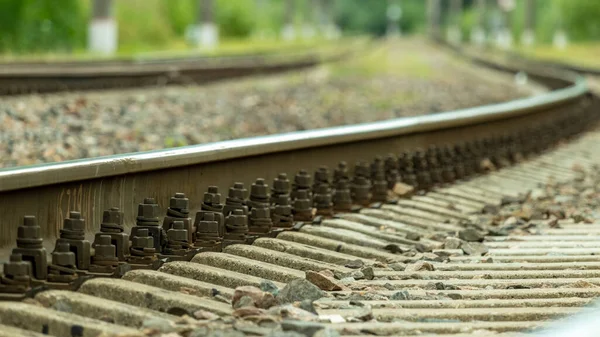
x: 393, y: 248
x: 40, y: 77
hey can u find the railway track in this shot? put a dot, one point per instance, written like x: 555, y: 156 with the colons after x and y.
x: 40, y: 77
x: 397, y: 244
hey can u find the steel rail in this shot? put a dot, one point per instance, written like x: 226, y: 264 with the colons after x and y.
x: 50, y: 191
x: 23, y: 78
x: 69, y: 171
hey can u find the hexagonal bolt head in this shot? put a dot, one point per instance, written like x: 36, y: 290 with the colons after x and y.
x: 104, y: 247
x: 237, y: 218
x: 177, y: 232
x: 302, y: 195
x: 62, y: 256
x: 208, y: 227
x: 259, y: 189
x: 282, y: 200
x: 302, y: 179
x: 282, y: 210
x: 238, y: 191
x: 179, y: 201
x: 322, y: 175
x: 260, y: 213
x: 148, y: 210
x: 361, y: 169
x: 302, y: 205
x: 322, y: 189
x: 74, y: 222
x: 281, y: 184
x: 112, y: 215
x: 212, y: 197
x: 16, y: 266
x: 142, y: 242
x: 30, y: 229
x: 360, y: 181
x: 341, y: 172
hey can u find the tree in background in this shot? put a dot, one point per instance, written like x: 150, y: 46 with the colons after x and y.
x: 42, y: 25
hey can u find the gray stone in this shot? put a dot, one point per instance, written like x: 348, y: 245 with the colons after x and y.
x: 244, y: 301
x: 305, y: 328
x: 413, y: 236
x: 452, y: 243
x: 269, y: 286
x: 364, y: 314
x: 279, y: 333
x: 474, y: 248
x: 400, y: 296
x: 226, y: 333
x: 398, y: 266
x: 355, y: 264
x: 470, y: 235
x: 356, y: 274
x: 327, y: 332
x: 308, y: 306
x: 419, y: 266
x: 347, y: 280
x: 299, y: 290
x: 160, y: 324
x: 368, y: 273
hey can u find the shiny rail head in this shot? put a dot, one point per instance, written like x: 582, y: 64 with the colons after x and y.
x: 76, y: 170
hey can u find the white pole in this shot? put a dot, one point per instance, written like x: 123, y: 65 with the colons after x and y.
x: 102, y: 29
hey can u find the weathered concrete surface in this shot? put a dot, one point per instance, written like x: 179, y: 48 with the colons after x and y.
x: 248, y: 266
x: 56, y: 323
x: 282, y: 259
x: 382, y: 233
x: 469, y: 303
x: 316, y: 253
x: 482, y: 283
x: 411, y: 220
x: 481, y: 294
x: 177, y: 283
x: 339, y: 246
x: 518, y: 266
x: 461, y: 314
x: 493, y: 274
x: 10, y: 331
x: 98, y: 308
x: 411, y: 328
x: 209, y: 274
x: 145, y: 296
x: 345, y: 235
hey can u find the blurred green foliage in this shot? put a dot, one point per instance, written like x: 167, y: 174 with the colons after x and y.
x: 61, y: 25
x: 37, y: 25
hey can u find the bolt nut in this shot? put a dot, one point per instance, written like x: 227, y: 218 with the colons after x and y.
x: 16, y: 266
x: 62, y: 256
x: 179, y: 201
x: 148, y: 210
x: 259, y: 189
x: 74, y: 222
x: 212, y: 197
x: 281, y: 184
x: 104, y: 248
x: 260, y: 213
x: 238, y: 191
x: 112, y: 215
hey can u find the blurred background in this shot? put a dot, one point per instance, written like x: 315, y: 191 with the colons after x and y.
x: 109, y: 27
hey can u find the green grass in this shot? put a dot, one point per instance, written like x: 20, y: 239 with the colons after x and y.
x: 179, y: 48
x: 584, y: 54
x: 380, y: 62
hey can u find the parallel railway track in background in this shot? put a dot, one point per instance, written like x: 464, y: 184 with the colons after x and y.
x: 42, y: 77
x: 416, y: 268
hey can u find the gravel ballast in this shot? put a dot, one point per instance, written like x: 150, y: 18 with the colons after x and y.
x: 401, y: 78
